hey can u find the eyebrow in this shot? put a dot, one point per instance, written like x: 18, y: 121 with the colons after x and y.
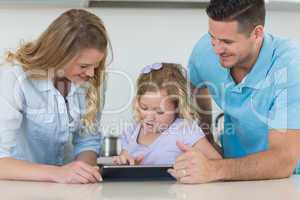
x: 155, y: 108
x: 142, y: 104
x: 221, y: 39
x: 88, y: 64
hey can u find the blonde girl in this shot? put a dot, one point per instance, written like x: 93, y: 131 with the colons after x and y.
x: 165, y: 117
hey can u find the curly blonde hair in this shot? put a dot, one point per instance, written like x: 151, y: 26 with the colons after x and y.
x: 171, y: 78
x: 66, y: 36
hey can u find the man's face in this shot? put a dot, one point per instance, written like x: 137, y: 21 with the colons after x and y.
x: 234, y: 49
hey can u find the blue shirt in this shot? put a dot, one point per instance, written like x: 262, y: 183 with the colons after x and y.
x: 267, y: 98
x: 36, y: 123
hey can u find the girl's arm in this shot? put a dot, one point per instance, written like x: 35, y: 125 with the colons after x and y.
x: 207, y: 149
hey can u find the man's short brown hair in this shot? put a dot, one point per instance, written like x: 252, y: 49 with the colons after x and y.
x: 248, y: 13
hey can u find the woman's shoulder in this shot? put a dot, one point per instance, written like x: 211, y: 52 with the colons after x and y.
x: 11, y: 71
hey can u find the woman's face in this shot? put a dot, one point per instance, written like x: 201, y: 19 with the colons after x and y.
x: 156, y: 110
x: 83, y: 66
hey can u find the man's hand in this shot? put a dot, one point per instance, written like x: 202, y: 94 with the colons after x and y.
x: 193, y: 167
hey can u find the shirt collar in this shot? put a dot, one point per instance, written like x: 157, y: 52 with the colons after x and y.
x: 43, y: 85
x: 46, y: 85
x: 262, y: 66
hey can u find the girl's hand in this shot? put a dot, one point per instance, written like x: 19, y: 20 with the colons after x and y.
x: 77, y: 172
x: 125, y: 158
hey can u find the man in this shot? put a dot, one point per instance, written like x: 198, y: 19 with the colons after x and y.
x: 253, y: 77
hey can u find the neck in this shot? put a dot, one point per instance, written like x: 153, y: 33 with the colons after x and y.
x: 63, y: 85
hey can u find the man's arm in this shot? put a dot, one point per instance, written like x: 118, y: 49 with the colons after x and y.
x: 278, y: 162
x: 203, y: 101
x: 204, y: 109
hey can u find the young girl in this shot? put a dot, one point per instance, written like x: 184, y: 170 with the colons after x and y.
x: 164, y: 116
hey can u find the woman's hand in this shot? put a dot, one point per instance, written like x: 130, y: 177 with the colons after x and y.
x: 77, y: 172
x: 125, y: 158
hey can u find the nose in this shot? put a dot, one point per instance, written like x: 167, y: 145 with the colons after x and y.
x: 90, y: 71
x: 219, y: 47
x: 150, y: 115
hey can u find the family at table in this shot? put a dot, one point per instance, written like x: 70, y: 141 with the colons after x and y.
x: 52, y: 93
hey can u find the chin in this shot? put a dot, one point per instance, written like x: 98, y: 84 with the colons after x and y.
x: 79, y: 81
x: 227, y: 64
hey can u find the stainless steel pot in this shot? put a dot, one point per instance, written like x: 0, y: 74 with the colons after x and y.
x: 111, y: 146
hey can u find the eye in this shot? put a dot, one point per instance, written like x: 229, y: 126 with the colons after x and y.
x: 228, y: 42
x: 160, y: 112
x: 84, y: 66
x: 143, y: 107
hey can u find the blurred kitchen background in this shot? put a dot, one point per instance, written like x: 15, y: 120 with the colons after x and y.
x: 141, y: 32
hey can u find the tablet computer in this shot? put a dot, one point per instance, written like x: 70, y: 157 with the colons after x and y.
x: 135, y: 172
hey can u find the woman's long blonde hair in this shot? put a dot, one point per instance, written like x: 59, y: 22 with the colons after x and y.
x: 171, y: 78
x: 71, y: 32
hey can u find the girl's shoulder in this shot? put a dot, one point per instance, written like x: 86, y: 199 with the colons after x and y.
x: 187, y: 131
x: 185, y: 124
x: 129, y: 128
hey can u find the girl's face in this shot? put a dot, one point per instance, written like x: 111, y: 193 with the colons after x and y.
x: 156, y: 110
x: 83, y: 66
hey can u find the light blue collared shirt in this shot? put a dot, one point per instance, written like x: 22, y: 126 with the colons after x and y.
x: 36, y: 123
x: 267, y: 98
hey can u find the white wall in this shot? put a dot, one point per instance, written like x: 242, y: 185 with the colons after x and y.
x: 138, y: 36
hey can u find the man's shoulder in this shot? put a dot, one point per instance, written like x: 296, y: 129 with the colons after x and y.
x: 284, y: 48
x: 286, y: 53
x: 203, y: 45
x: 203, y: 49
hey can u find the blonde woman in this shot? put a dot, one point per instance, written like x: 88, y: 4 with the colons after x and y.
x: 51, y: 94
x: 165, y: 119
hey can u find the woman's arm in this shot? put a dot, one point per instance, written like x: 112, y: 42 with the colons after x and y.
x: 12, y: 169
x: 89, y: 157
x: 75, y: 172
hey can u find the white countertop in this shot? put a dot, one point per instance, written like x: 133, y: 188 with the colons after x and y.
x: 163, y: 190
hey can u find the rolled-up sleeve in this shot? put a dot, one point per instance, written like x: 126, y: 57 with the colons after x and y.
x: 91, y: 141
x: 10, y: 111
x: 284, y: 113
x: 86, y: 143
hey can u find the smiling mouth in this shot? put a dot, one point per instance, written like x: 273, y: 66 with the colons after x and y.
x: 84, y: 78
x: 149, y: 124
x: 224, y: 56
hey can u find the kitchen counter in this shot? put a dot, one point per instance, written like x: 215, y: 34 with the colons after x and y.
x: 154, y: 190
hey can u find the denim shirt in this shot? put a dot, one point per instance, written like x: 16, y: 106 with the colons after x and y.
x: 38, y: 124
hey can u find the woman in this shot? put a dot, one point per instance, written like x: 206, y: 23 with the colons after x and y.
x: 50, y: 102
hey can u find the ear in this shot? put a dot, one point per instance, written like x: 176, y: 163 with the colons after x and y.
x: 258, y: 32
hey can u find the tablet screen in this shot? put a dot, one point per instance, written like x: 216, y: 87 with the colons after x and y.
x: 135, y: 172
